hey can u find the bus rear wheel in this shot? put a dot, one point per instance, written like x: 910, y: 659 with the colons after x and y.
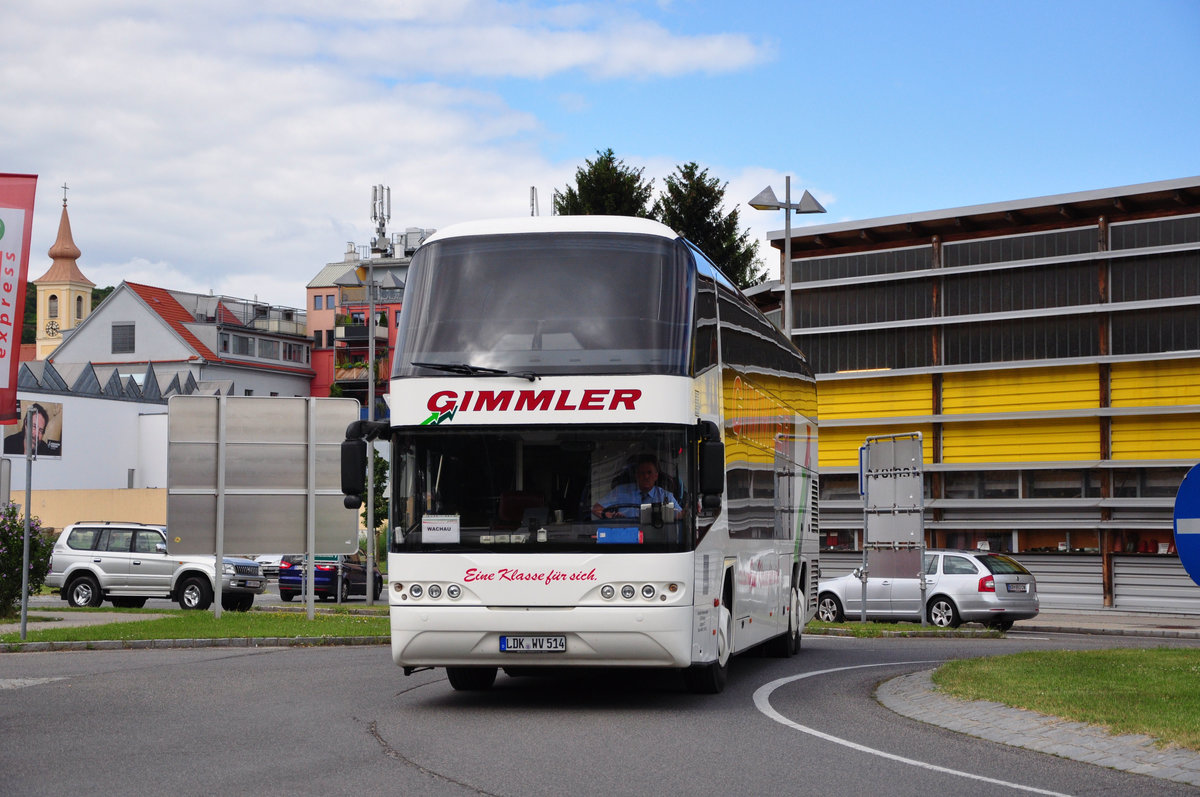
x: 471, y: 679
x: 788, y: 644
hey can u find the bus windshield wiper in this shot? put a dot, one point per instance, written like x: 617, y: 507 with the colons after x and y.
x: 476, y: 370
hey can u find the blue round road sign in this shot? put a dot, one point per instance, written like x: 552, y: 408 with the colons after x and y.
x: 1187, y: 523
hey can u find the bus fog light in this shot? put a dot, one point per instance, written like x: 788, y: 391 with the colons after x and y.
x: 627, y: 592
x: 453, y: 591
x: 415, y: 590
x: 648, y: 591
x: 435, y: 591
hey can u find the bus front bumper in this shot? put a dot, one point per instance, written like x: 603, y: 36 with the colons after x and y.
x: 595, y: 636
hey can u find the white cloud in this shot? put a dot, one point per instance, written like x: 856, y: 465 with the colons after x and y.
x: 232, y: 146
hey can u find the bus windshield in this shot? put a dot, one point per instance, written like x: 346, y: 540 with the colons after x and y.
x: 548, y: 489
x: 571, y: 302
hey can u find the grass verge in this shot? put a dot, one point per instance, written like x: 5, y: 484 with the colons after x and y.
x: 179, y: 624
x: 874, y: 629
x: 1143, y: 691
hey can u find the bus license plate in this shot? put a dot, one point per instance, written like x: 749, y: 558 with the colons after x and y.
x: 1018, y: 587
x: 532, y: 644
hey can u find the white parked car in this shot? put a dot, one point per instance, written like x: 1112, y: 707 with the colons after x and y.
x: 126, y: 563
x: 960, y: 586
x: 269, y: 562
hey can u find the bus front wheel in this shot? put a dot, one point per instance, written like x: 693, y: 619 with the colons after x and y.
x: 471, y: 679
x: 709, y: 679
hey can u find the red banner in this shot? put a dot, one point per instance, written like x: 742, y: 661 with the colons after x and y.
x: 16, y: 233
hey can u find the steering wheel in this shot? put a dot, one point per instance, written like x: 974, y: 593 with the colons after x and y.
x: 613, y: 510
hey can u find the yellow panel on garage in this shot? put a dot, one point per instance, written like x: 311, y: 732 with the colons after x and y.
x: 1156, y: 437
x: 1148, y: 384
x: 1022, y: 441
x: 838, y: 446
x: 875, y: 397
x: 1021, y: 389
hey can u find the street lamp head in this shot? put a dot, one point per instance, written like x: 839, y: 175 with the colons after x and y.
x: 766, y: 200
x: 809, y: 204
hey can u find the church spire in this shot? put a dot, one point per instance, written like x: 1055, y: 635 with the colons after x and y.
x: 64, y: 253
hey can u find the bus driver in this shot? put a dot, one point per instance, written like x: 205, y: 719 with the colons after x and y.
x: 626, y: 500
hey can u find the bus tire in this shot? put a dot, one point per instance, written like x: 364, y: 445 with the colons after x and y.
x: 471, y: 679
x: 787, y: 644
x: 710, y: 678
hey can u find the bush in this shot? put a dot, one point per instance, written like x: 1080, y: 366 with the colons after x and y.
x: 12, y: 535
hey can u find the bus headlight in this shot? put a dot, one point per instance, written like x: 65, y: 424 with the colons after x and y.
x: 648, y: 591
x: 607, y: 592
x: 435, y: 591
x: 453, y: 591
x: 415, y: 590
x: 627, y: 592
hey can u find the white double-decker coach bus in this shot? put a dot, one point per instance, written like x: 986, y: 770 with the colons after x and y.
x: 602, y: 455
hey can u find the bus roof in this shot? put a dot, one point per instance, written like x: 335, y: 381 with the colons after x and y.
x: 553, y: 224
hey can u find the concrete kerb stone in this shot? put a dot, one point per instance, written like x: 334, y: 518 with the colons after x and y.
x: 226, y: 642
x: 915, y: 696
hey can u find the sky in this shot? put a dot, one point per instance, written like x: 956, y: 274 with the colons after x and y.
x: 231, y: 145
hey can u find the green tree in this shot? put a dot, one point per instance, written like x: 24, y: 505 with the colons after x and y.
x: 100, y: 294
x: 12, y: 557
x: 381, y: 503
x: 605, y: 186
x: 691, y: 205
x: 29, y: 327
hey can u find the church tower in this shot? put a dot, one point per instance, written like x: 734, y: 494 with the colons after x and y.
x: 64, y: 295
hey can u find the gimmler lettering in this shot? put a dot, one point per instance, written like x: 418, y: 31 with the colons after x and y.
x: 558, y: 400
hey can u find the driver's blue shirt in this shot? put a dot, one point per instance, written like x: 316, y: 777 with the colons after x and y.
x: 632, y: 494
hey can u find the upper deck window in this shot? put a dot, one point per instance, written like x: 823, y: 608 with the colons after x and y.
x: 578, y: 303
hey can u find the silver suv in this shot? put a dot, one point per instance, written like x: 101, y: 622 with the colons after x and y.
x: 126, y: 563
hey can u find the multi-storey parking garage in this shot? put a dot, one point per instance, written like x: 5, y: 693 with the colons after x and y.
x: 1047, y: 349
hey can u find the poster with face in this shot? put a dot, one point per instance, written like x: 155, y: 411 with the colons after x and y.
x: 44, y: 419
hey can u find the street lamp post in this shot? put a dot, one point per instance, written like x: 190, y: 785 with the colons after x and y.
x: 766, y: 200
x: 369, y: 589
x: 381, y: 213
x: 366, y: 275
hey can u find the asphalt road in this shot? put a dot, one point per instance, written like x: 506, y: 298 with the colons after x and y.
x: 346, y: 721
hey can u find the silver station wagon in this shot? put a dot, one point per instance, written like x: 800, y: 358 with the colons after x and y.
x: 960, y: 586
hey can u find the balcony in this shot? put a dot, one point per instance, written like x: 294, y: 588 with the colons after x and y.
x: 357, y: 371
x: 357, y: 333
x: 350, y: 374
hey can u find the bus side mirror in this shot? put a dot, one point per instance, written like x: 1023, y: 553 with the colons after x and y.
x: 712, y: 460
x: 354, y: 471
x: 712, y: 467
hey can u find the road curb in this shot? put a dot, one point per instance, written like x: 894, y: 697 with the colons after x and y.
x: 915, y: 696
x: 228, y: 642
x: 1160, y: 633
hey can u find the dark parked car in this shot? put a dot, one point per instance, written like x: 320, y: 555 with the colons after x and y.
x: 347, y: 572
